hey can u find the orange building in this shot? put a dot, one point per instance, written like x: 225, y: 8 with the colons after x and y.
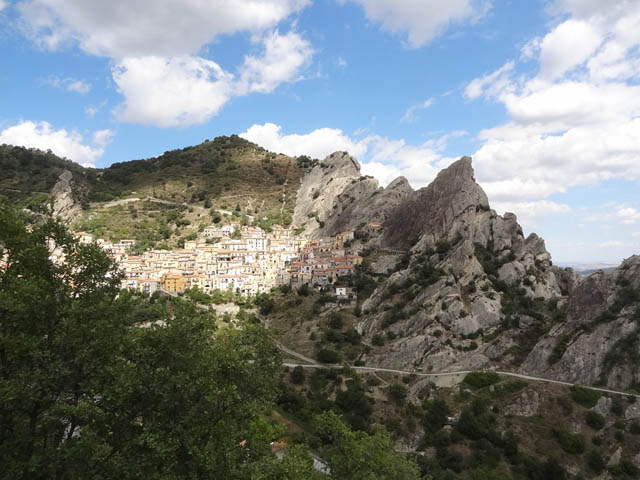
x: 173, y: 283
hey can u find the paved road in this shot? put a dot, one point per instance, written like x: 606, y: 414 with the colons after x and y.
x: 463, y: 372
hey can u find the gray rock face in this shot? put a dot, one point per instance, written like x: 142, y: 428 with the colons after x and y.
x: 526, y: 405
x: 334, y: 197
x: 442, y: 321
x: 64, y: 205
x: 432, y: 210
x: 601, y: 332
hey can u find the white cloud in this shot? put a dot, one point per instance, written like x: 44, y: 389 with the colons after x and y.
x: 575, y: 123
x: 317, y: 144
x: 635, y: 234
x: 3, y: 4
x: 102, y: 138
x: 422, y: 20
x: 69, y: 84
x: 168, y: 92
x: 491, y: 84
x: 342, y: 62
x: 187, y: 90
x: 283, y: 59
x: 381, y: 157
x: 628, y: 215
x: 63, y: 143
x: 139, y: 28
x: 529, y: 213
x: 568, y: 45
x: 92, y: 110
x: 154, y: 47
x: 410, y: 115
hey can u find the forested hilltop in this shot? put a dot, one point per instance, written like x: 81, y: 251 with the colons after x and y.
x: 161, y: 200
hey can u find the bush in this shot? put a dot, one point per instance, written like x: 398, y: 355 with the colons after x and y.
x: 595, y: 461
x: 595, y: 420
x: 297, y: 375
x: 570, y: 442
x: 377, y: 340
x: 397, y: 393
x: 585, y: 396
x: 325, y: 355
x: 481, y: 379
x: 335, y: 321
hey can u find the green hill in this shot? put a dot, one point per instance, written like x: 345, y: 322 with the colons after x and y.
x: 165, y: 199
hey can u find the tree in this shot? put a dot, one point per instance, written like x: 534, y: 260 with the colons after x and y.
x: 98, y: 383
x: 297, y: 375
x: 265, y: 303
x: 359, y: 455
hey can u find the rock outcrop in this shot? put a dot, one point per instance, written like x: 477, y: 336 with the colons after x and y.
x: 600, y: 340
x: 334, y: 197
x: 62, y: 195
x: 473, y: 288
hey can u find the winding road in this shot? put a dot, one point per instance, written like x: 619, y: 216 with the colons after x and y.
x: 452, y: 374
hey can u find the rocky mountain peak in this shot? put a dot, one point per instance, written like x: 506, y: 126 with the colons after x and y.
x: 431, y: 210
x: 341, y: 163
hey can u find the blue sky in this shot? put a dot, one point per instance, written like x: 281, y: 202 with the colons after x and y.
x: 544, y: 94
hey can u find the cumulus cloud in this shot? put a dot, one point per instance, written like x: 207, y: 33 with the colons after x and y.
x: 529, y: 213
x: 318, y: 144
x: 126, y: 28
x: 411, y: 115
x: 422, y: 20
x: 69, y: 84
x: 283, y: 58
x: 62, y: 142
x: 381, y: 157
x: 576, y: 121
x: 156, y: 63
x: 491, y: 84
x: 187, y: 90
x: 168, y: 92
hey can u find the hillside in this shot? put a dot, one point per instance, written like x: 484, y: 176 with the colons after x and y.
x: 161, y: 200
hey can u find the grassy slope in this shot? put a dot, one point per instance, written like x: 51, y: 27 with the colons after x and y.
x: 228, y: 173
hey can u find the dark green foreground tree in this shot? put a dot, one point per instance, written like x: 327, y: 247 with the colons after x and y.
x: 98, y: 384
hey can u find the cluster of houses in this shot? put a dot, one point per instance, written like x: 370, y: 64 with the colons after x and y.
x: 245, y: 260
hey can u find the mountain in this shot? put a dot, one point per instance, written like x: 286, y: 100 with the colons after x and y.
x: 449, y: 282
x: 471, y: 291
x: 173, y: 193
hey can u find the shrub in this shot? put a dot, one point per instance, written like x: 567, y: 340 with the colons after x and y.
x: 481, y: 379
x: 595, y: 420
x: 570, y: 442
x: 326, y: 355
x: 585, y: 396
x: 377, y: 340
x: 297, y: 375
x: 335, y: 321
x: 397, y: 393
x: 595, y: 461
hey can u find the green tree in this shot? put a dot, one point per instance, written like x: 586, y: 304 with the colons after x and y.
x: 98, y: 383
x: 359, y: 455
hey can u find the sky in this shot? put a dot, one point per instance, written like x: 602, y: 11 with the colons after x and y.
x: 543, y: 94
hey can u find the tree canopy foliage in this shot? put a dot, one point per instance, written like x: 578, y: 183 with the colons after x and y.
x: 98, y: 383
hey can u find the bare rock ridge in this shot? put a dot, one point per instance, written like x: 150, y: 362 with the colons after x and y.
x: 599, y: 343
x: 334, y: 197
x: 473, y: 291
x: 64, y: 204
x: 433, y: 208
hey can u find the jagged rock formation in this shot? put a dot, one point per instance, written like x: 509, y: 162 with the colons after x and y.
x: 600, y: 340
x: 334, y: 197
x: 62, y: 196
x: 473, y: 287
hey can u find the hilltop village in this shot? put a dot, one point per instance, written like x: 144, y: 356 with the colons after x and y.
x: 245, y: 260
